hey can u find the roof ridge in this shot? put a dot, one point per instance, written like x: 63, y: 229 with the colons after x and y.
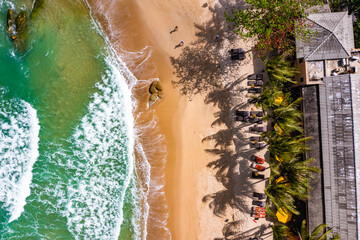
x: 345, y: 13
x: 331, y: 33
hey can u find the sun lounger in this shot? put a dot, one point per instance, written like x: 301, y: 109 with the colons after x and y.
x: 259, y: 195
x: 258, y: 209
x: 258, y: 167
x: 257, y: 175
x: 252, y: 100
x: 258, y: 203
x: 258, y: 146
x: 237, y: 54
x: 242, y: 113
x: 236, y: 51
x: 255, y: 77
x: 255, y: 90
x: 257, y: 113
x: 257, y: 159
x: 258, y: 215
x: 242, y: 116
x: 255, y: 83
x: 256, y: 120
x: 255, y: 139
x: 257, y: 129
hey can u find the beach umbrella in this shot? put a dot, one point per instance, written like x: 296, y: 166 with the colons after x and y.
x: 283, y: 215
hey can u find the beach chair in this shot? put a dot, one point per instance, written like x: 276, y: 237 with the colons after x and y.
x: 256, y: 175
x: 255, y: 83
x: 252, y: 100
x: 259, y: 215
x: 255, y: 77
x: 258, y: 146
x: 259, y: 203
x: 242, y: 116
x: 255, y: 90
x: 257, y: 159
x: 255, y: 139
x: 258, y: 209
x: 242, y: 113
x: 259, y: 195
x: 257, y: 167
x: 256, y: 120
x: 256, y: 113
x: 237, y: 54
x: 257, y: 129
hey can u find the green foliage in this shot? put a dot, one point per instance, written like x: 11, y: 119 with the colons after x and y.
x: 280, y: 231
x: 282, y: 195
x: 319, y: 232
x: 272, y: 22
x: 280, y: 70
x: 297, y: 172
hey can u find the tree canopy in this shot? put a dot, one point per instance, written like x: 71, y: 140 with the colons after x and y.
x: 273, y: 22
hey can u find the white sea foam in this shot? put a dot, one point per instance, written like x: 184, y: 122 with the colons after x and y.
x: 152, y: 188
x: 19, y: 131
x: 104, y: 145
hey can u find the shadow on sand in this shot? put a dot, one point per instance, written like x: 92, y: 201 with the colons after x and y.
x: 200, y: 69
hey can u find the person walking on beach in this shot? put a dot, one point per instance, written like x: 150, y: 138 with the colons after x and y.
x: 174, y: 30
x: 180, y: 44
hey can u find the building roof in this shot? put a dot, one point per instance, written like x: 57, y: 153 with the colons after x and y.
x: 337, y: 107
x: 333, y: 37
x: 310, y: 107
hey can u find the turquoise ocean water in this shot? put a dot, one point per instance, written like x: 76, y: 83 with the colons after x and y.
x: 67, y: 166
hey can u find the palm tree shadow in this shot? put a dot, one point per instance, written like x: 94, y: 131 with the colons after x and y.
x: 199, y: 70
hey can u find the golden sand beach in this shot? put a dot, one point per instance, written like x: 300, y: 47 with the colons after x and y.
x: 207, y: 186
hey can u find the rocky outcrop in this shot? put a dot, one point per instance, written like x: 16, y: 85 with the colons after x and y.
x: 16, y: 25
x: 10, y: 24
x: 156, y: 91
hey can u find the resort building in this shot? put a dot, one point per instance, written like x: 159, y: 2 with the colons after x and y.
x: 330, y: 87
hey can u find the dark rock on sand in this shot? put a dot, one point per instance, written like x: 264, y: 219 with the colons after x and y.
x: 156, y: 91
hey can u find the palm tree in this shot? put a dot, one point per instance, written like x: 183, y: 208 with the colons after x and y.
x: 280, y: 231
x: 284, y: 146
x: 280, y: 70
x: 318, y: 233
x: 268, y: 96
x: 296, y: 172
x: 282, y: 195
x: 288, y: 117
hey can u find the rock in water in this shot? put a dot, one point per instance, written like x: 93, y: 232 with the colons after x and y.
x: 20, y: 21
x: 11, y: 28
x: 16, y: 27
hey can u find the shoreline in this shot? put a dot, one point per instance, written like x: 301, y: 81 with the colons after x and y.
x: 203, y: 155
